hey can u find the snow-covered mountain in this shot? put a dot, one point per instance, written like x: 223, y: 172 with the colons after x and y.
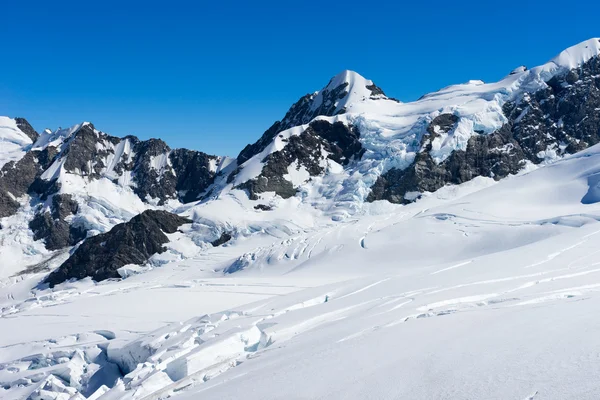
x: 360, y: 212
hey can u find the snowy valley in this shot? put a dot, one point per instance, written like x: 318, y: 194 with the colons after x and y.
x: 362, y: 248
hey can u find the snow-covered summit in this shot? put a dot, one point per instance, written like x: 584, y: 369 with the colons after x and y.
x: 406, y: 149
x: 575, y: 56
x: 352, y: 88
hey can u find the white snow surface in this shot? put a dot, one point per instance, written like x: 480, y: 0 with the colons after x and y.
x: 13, y: 142
x: 486, y: 290
x: 483, y: 290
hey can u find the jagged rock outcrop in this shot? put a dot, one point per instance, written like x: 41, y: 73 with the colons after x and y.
x: 193, y: 173
x: 496, y: 155
x: 51, y: 225
x: 86, y: 151
x: 339, y: 141
x: 158, y: 173
x: 562, y: 118
x: 27, y: 129
x: 133, y: 242
x: 18, y: 178
x: 329, y: 101
x: 149, y: 168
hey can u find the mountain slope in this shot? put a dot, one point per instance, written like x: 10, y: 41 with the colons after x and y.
x: 449, y: 289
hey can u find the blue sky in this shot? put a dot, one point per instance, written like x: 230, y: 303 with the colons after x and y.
x: 214, y: 75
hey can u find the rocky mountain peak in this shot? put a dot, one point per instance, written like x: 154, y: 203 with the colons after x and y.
x: 342, y: 92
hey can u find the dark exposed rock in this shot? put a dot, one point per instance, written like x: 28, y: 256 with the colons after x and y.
x: 442, y: 123
x: 18, y: 178
x: 8, y: 204
x: 52, y: 227
x: 224, y: 238
x: 495, y: 155
x: 375, y: 90
x: 186, y: 177
x: 187, y: 173
x: 27, y: 129
x: 250, y: 150
x: 158, y: 184
x: 563, y: 118
x: 270, y: 181
x: 83, y: 155
x: 132, y: 242
x: 192, y: 169
x: 339, y: 140
x: 263, y: 207
x: 304, y: 111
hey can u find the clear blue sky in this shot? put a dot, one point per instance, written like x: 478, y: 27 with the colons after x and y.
x: 214, y: 75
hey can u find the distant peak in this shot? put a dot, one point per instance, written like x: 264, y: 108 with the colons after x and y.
x: 347, y: 76
x: 349, y: 87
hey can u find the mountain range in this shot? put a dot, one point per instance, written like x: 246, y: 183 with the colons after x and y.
x: 79, y: 206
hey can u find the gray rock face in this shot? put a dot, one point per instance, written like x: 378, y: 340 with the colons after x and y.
x: 19, y: 178
x: 193, y: 173
x: 52, y: 227
x: 302, y: 112
x: 496, y: 155
x: 82, y: 154
x: 563, y: 119
x: 185, y: 177
x: 224, y: 238
x: 133, y: 242
x: 340, y: 141
x: 27, y: 129
x: 149, y: 181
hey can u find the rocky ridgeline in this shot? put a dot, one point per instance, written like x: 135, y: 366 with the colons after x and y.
x: 338, y: 141
x: 563, y: 118
x: 185, y: 176
x: 132, y: 242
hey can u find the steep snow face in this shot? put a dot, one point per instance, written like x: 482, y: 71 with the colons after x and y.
x: 57, y: 137
x: 353, y: 89
x: 574, y: 56
x: 343, y: 90
x: 13, y: 141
